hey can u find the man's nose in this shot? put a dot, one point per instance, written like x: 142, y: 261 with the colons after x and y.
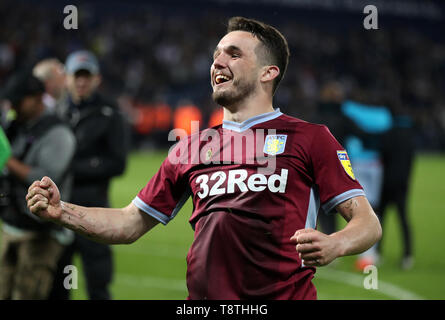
x: 81, y: 82
x: 220, y: 62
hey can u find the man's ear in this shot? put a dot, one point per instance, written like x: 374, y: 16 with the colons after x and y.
x: 269, y: 73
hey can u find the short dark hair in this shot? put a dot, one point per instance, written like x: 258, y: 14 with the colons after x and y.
x: 21, y: 85
x: 275, y: 49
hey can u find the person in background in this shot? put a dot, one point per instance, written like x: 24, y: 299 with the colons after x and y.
x: 5, y: 149
x: 366, y: 158
x: 330, y: 114
x: 41, y: 144
x: 398, y: 152
x: 102, y: 139
x: 51, y: 72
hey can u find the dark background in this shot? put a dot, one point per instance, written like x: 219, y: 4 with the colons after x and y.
x: 160, y: 51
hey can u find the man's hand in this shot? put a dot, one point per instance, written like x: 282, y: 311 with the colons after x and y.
x: 315, y: 248
x: 43, y: 199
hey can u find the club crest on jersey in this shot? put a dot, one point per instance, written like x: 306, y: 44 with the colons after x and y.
x: 275, y: 144
x: 345, y: 162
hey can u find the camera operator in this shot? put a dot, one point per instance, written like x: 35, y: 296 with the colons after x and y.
x: 41, y: 144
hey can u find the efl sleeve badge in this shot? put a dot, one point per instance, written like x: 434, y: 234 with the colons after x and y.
x: 345, y: 162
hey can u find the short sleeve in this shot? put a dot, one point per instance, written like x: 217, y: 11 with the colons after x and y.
x: 165, y: 193
x: 332, y: 171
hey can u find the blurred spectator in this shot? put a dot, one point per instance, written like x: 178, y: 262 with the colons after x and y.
x: 41, y: 146
x: 149, y: 51
x: 163, y: 115
x: 51, y: 72
x: 184, y: 115
x: 145, y: 119
x: 101, y: 135
x: 398, y: 155
x: 216, y: 117
x: 366, y: 158
x: 5, y: 150
x: 330, y: 114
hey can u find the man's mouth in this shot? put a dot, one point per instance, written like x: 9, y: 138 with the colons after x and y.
x: 221, y: 78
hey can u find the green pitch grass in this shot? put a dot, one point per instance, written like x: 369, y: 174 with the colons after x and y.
x: 154, y: 267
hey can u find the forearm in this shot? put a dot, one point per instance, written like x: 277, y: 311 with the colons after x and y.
x: 362, y: 231
x: 18, y: 168
x: 105, y: 225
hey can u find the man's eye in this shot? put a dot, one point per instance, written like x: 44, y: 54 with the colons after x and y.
x: 235, y: 55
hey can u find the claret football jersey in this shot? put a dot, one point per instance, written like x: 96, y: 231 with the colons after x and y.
x: 253, y: 184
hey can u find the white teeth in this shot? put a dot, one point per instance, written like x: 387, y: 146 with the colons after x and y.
x: 219, y: 78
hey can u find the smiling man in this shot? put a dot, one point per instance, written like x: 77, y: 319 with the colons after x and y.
x: 255, y: 234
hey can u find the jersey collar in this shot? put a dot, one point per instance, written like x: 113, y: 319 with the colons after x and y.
x: 246, y: 124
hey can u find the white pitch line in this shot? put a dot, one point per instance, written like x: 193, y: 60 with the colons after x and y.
x: 356, y: 280
x: 170, y: 251
x: 352, y: 279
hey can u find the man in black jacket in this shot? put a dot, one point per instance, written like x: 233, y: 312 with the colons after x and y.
x: 101, y: 135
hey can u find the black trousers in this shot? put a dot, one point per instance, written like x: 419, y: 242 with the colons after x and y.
x: 397, y: 194
x: 97, y: 264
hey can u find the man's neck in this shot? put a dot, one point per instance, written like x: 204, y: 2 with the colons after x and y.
x: 247, y: 109
x: 78, y: 101
x: 31, y: 121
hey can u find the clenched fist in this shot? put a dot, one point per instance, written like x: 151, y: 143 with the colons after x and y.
x: 315, y: 248
x: 43, y: 199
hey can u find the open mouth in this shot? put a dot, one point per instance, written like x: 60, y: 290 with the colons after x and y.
x: 221, y: 78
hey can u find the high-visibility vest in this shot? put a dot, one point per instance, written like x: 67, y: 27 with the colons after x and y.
x: 216, y: 117
x: 184, y: 115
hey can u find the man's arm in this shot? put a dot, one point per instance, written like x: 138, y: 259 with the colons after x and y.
x: 18, y: 168
x: 362, y: 231
x: 106, y: 225
x: 54, y: 156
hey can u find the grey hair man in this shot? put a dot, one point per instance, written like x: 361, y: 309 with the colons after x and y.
x: 51, y: 72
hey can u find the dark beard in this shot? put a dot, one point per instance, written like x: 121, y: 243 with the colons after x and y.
x: 241, y: 91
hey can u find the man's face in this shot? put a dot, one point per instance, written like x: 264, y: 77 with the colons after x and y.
x: 235, y: 71
x: 82, y: 84
x: 55, y: 84
x: 28, y: 108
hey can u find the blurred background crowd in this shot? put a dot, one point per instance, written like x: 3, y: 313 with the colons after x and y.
x: 155, y: 57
